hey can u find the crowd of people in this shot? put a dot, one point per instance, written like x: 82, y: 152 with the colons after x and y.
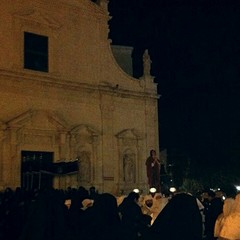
x: 83, y: 214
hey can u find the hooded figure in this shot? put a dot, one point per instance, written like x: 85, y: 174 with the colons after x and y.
x: 46, y: 218
x: 179, y: 219
x: 231, y: 227
x: 133, y: 221
x: 227, y: 209
x: 102, y: 221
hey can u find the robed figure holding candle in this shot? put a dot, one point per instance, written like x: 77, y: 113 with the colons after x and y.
x: 153, y: 170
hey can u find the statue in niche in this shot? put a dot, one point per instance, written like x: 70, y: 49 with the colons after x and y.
x: 129, y: 167
x: 84, y: 166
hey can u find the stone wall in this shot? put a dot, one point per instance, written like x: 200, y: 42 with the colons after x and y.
x: 85, y: 107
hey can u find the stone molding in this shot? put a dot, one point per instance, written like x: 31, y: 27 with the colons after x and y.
x: 38, y: 16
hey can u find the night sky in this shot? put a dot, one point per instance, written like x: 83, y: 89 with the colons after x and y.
x: 195, y: 51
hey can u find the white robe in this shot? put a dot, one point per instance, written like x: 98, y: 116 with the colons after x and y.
x: 230, y: 224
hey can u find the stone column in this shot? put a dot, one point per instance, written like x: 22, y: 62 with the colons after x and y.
x: 109, y: 153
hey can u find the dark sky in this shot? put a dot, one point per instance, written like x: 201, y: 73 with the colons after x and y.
x: 195, y: 51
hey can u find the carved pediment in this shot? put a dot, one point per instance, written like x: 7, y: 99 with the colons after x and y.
x: 128, y: 151
x: 129, y: 134
x: 33, y: 15
x: 38, y: 119
x: 84, y: 134
x: 84, y: 130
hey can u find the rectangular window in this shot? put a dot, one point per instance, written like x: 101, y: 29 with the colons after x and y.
x: 35, y: 52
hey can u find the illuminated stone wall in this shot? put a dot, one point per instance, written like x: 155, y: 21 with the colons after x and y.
x: 83, y: 107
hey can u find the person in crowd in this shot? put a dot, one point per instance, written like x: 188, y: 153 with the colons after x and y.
x: 46, y: 218
x: 179, y: 219
x: 152, y: 205
x: 211, y: 212
x: 102, y: 220
x: 153, y: 170
x: 231, y: 228
x: 133, y: 221
x: 6, y: 211
x: 227, y: 209
x: 75, y: 214
x: 93, y: 193
x: 146, y: 203
x: 120, y: 199
x: 200, y: 207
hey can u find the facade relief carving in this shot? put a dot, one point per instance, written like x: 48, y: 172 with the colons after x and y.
x: 129, y: 166
x: 128, y: 143
x: 129, y: 137
x: 37, y: 130
x: 84, y: 164
x: 85, y: 134
x: 34, y: 139
x: 39, y: 17
x: 107, y: 110
x: 84, y: 142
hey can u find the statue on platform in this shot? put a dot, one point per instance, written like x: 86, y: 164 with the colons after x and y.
x: 146, y: 63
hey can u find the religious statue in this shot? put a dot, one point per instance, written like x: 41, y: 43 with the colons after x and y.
x: 146, y: 63
x: 128, y: 165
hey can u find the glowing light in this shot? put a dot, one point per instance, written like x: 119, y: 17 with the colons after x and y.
x: 136, y: 190
x: 172, y: 189
x: 152, y: 190
x: 238, y: 188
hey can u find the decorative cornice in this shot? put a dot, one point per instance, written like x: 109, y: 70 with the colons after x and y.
x: 87, y: 8
x: 56, y: 82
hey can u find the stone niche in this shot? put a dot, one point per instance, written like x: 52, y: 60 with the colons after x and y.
x: 84, y: 142
x: 129, y: 147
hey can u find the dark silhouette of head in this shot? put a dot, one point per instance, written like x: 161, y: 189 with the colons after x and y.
x: 152, y: 152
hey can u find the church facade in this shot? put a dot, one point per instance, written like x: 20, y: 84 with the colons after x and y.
x: 64, y: 98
